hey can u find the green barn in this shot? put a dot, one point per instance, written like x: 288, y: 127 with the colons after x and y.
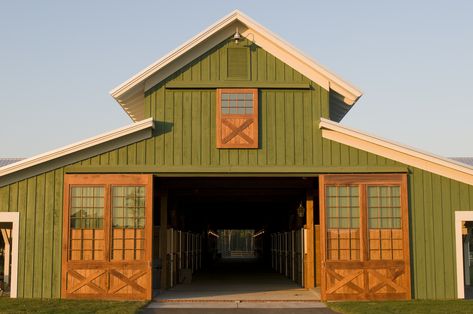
x: 236, y: 153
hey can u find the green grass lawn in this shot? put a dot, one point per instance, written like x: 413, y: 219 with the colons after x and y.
x: 8, y: 305
x: 453, y: 306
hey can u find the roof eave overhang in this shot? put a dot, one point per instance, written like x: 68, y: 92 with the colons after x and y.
x: 76, y: 152
x: 130, y: 94
x: 398, y: 152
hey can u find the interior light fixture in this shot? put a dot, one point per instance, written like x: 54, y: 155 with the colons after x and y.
x: 300, y: 210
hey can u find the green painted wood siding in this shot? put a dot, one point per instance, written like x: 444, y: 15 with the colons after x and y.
x: 433, y: 202
x: 186, y: 118
x: 289, y: 136
x: 39, y: 202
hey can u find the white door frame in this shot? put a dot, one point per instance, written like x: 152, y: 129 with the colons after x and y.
x: 459, y: 217
x: 14, y: 218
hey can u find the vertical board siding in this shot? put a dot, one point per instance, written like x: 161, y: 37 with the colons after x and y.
x: 39, y: 202
x: 186, y: 118
x: 288, y: 136
x: 433, y: 202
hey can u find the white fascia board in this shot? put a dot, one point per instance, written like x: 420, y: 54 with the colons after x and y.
x: 171, y: 56
x: 69, y: 149
x: 410, y: 156
x: 262, y: 37
x: 335, y: 82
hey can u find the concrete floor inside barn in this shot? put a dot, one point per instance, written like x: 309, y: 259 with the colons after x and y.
x: 231, y: 280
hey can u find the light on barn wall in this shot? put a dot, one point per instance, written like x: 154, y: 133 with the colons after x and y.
x: 237, y: 36
x: 300, y: 210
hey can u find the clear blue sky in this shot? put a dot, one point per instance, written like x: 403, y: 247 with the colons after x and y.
x: 412, y: 59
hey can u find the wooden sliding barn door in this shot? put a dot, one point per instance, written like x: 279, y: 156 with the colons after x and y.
x: 364, y: 237
x: 107, y: 234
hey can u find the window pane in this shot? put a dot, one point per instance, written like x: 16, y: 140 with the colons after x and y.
x: 128, y: 207
x: 343, y: 222
x: 342, y: 206
x: 87, y: 205
x: 384, y: 222
x: 383, y: 206
x: 237, y: 103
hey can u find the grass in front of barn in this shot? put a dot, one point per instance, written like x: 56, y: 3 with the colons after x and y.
x: 417, y: 307
x: 8, y: 305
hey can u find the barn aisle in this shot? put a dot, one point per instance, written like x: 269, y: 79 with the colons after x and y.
x: 231, y: 280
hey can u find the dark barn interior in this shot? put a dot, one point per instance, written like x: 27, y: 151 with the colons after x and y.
x: 206, y: 206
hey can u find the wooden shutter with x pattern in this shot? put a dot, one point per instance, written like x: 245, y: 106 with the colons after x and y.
x: 237, y: 118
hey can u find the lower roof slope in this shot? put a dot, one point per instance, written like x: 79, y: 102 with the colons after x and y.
x: 75, y: 152
x: 446, y: 167
x: 6, y: 161
x: 465, y: 160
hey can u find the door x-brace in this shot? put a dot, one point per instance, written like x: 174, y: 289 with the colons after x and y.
x: 237, y: 131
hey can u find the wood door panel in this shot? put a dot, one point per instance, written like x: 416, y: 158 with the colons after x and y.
x: 129, y: 282
x: 89, y: 269
x: 388, y: 282
x: 382, y: 270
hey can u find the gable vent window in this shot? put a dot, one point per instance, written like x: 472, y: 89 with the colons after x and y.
x: 237, y: 118
x: 237, y: 63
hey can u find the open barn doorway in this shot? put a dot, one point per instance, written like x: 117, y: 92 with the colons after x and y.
x: 234, y: 239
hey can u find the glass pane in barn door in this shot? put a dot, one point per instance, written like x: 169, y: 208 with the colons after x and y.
x: 384, y: 223
x: 128, y: 222
x: 343, y: 222
x: 86, y: 219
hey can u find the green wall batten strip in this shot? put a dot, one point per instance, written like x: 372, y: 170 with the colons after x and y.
x: 235, y: 84
x: 234, y: 170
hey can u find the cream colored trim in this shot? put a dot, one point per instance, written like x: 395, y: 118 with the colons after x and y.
x: 6, y: 255
x: 459, y: 217
x: 14, y: 218
x: 82, y: 145
x: 409, y: 156
x: 131, y: 92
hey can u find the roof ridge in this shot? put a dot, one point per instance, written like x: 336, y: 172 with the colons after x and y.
x: 130, y: 94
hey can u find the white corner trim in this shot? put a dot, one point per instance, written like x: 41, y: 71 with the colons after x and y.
x: 14, y: 218
x: 398, y: 152
x: 69, y: 149
x: 459, y: 217
x: 126, y: 92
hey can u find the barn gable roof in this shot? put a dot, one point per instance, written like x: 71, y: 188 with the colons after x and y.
x: 407, y: 155
x: 130, y: 94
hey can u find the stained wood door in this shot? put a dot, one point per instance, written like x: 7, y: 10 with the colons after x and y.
x: 107, y: 234
x: 237, y: 118
x: 364, y: 237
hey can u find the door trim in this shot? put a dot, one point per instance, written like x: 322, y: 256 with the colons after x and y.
x: 459, y: 217
x: 14, y: 218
